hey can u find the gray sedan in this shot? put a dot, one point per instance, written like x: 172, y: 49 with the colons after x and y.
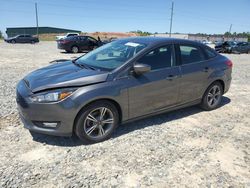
x: 122, y: 81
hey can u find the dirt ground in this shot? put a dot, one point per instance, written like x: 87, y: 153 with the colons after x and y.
x: 188, y: 147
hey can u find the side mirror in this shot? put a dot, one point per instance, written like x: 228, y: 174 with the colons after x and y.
x: 141, y: 68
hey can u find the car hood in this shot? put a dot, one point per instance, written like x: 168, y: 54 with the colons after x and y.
x: 64, y: 74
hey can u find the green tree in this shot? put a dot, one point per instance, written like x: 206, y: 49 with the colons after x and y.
x: 1, y: 35
x: 227, y: 33
x: 141, y: 33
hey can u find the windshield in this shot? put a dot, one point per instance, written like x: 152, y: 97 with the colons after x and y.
x: 110, y: 56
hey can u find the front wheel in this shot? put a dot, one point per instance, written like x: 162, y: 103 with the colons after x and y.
x: 13, y: 41
x: 97, y: 122
x: 212, y: 97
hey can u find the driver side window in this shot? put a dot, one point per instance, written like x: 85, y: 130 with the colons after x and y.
x: 159, y: 58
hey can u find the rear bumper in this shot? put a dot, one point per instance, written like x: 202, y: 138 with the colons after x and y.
x: 227, y: 85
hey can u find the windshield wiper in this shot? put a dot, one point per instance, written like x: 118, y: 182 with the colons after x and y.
x: 82, y: 65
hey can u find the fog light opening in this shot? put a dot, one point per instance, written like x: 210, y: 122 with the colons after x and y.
x: 47, y: 124
x: 50, y: 124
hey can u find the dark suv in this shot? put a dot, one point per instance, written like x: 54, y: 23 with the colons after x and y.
x: 120, y: 82
x: 22, y: 39
x: 225, y: 47
x: 77, y: 44
x: 241, y: 47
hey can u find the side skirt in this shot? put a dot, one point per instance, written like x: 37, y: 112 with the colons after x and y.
x: 168, y: 109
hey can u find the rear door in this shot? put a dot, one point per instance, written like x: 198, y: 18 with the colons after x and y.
x: 82, y: 41
x: 92, y: 43
x: 20, y: 39
x: 194, y: 71
x: 244, y: 47
x: 27, y: 38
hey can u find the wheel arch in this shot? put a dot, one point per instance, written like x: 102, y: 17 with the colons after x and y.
x: 217, y: 80
x: 115, y: 103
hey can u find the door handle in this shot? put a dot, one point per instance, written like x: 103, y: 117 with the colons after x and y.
x: 206, y: 69
x: 171, y: 77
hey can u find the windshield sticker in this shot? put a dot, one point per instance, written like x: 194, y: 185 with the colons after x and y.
x: 132, y: 44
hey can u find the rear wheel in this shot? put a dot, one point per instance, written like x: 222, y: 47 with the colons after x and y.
x: 75, y: 49
x: 212, y: 97
x: 97, y: 122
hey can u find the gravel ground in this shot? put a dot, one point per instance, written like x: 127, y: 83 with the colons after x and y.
x: 188, y: 147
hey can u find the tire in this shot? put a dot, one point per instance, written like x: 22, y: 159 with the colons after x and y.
x: 212, y: 97
x: 13, y: 41
x: 90, y: 125
x: 32, y: 42
x: 74, y: 49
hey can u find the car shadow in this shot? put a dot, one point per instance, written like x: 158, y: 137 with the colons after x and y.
x: 128, y: 127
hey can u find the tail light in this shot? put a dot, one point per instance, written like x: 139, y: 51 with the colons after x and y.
x: 229, y: 63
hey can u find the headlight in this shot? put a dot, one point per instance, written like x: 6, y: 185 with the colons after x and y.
x: 51, y: 96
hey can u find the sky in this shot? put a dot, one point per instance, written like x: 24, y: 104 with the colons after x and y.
x: 189, y: 16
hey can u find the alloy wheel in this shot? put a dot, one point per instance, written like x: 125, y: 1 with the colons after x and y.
x: 98, y: 122
x: 214, y: 96
x: 75, y: 49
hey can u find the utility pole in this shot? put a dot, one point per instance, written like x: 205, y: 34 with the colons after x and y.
x: 230, y: 28
x: 37, y: 31
x: 171, y: 20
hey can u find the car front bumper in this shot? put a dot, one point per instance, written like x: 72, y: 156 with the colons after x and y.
x: 36, y: 117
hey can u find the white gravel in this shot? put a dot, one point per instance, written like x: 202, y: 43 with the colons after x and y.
x: 188, y: 147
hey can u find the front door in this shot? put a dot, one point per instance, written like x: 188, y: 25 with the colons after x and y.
x: 157, y: 89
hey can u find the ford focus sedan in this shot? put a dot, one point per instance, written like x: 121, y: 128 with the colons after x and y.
x: 122, y: 81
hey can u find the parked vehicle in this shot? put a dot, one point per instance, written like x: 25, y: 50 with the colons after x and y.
x: 77, y: 44
x: 22, y: 39
x: 225, y: 47
x: 241, y: 47
x: 67, y: 35
x: 119, y: 82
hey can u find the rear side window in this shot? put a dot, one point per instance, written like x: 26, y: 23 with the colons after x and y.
x: 190, y: 54
x: 210, y: 53
x: 82, y: 38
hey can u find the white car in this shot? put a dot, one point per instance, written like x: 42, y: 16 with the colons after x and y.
x: 67, y: 35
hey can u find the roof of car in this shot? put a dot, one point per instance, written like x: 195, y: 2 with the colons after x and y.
x: 155, y: 40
